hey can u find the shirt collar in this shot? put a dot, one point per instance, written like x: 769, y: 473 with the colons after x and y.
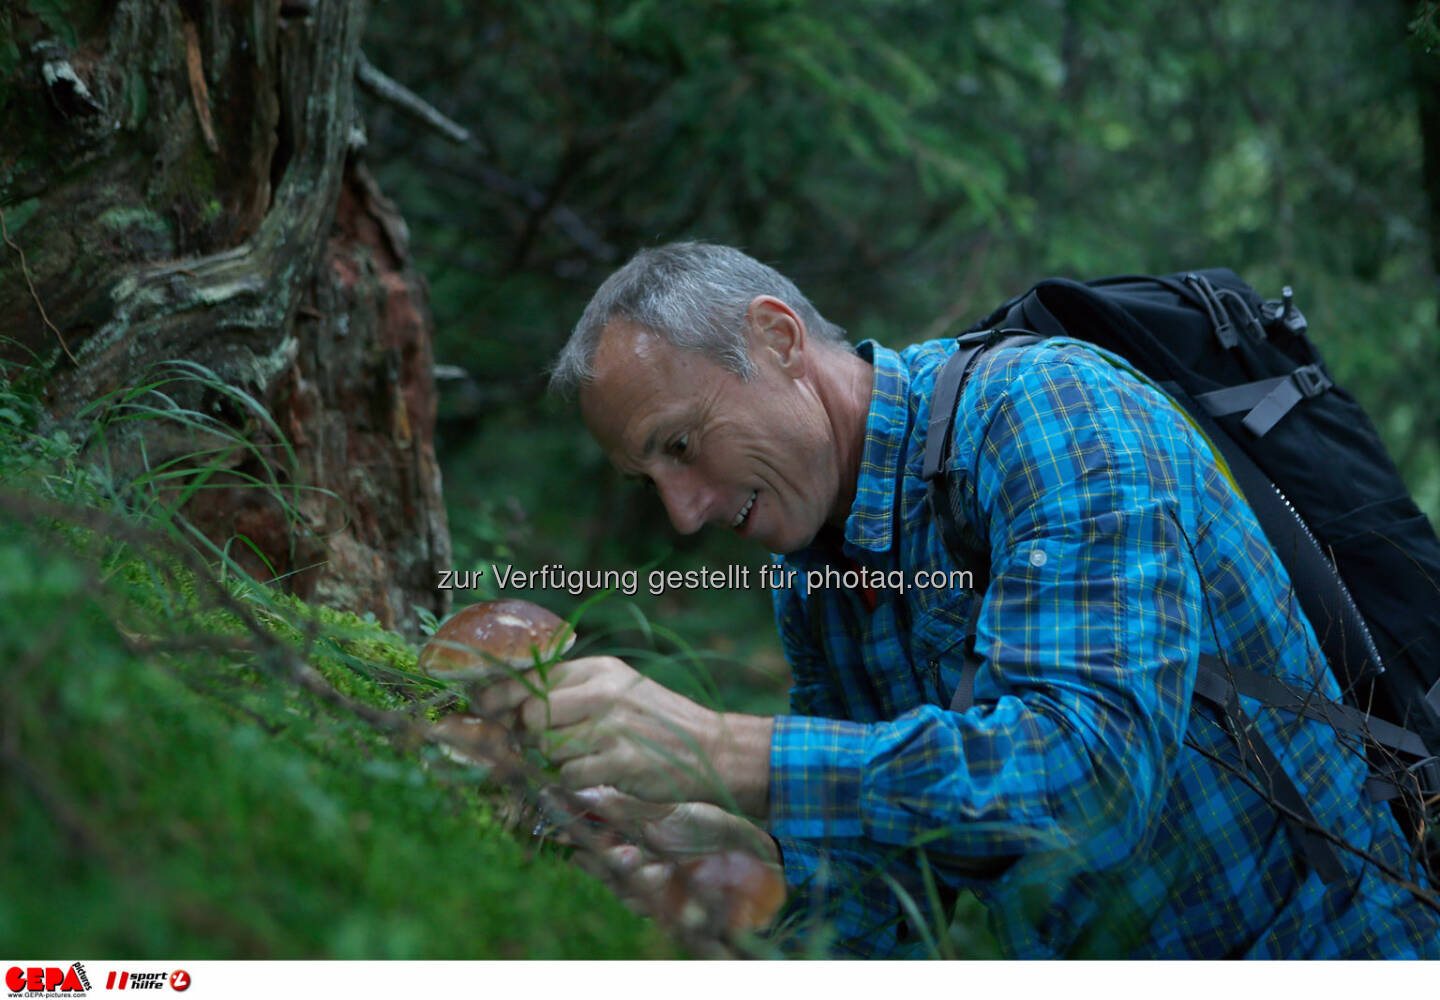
x: 870, y: 526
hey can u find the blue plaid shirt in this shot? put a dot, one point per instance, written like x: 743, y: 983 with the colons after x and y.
x: 1081, y: 798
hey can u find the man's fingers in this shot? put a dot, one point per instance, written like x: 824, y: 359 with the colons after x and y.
x: 554, y: 700
x: 504, y: 697
x: 562, y: 745
x: 584, y: 771
x: 649, y: 880
x: 614, y: 862
x: 641, y: 883
x: 562, y: 707
x: 614, y: 806
x: 625, y: 858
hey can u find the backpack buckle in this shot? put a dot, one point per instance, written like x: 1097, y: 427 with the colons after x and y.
x: 975, y: 336
x: 1311, y: 380
x: 1292, y: 317
x: 1427, y: 776
x: 1285, y: 313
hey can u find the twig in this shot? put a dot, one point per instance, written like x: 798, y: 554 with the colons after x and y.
x: 25, y: 272
x: 564, y: 217
x: 1426, y: 896
x: 382, y: 87
x: 394, y: 93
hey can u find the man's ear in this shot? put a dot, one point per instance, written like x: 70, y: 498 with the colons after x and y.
x: 777, y: 333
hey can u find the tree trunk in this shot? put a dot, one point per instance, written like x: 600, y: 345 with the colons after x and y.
x: 183, y: 180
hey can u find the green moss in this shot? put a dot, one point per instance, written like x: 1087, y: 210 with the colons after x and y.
x: 183, y: 794
x: 214, y: 809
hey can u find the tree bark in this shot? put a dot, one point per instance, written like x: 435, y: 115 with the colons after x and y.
x: 184, y: 179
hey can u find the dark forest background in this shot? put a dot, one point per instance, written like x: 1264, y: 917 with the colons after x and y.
x: 909, y: 165
x: 279, y: 283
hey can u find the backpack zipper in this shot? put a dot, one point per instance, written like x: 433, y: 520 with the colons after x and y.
x: 1345, y: 597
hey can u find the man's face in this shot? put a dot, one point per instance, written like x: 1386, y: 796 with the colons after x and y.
x: 757, y: 457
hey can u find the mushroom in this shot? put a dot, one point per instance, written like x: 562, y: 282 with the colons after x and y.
x: 475, y: 741
x: 734, y: 891
x: 492, y: 640
x: 479, y: 644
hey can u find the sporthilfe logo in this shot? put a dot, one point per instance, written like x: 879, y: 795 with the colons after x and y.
x: 179, y: 980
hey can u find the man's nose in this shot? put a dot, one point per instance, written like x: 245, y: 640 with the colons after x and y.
x: 686, y: 498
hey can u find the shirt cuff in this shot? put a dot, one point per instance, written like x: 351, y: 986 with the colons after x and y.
x: 816, y: 768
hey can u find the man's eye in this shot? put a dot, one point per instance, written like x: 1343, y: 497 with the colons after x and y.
x: 679, y: 446
x: 644, y: 482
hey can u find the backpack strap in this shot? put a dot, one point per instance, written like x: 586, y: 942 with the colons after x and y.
x: 1268, y: 400
x: 964, y: 695
x: 1275, y: 693
x: 1420, y: 778
x: 1214, y: 686
x: 960, y: 539
x: 1341, y: 629
x: 947, y: 394
x: 1060, y: 306
x: 1221, y: 319
x: 1420, y: 781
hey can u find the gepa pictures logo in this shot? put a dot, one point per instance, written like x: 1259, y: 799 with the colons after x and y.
x: 48, y: 981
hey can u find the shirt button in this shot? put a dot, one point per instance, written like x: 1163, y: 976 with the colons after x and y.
x: 1037, y: 557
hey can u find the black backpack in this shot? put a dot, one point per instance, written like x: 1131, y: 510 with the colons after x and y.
x: 1363, y: 558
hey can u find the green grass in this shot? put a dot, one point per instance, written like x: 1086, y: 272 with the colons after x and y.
x: 195, y: 802
x: 192, y: 764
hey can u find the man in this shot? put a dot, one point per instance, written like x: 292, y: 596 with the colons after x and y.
x: 1081, y: 798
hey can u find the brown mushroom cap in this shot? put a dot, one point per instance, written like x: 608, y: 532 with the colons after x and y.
x: 493, y: 638
x: 471, y: 739
x: 742, y: 891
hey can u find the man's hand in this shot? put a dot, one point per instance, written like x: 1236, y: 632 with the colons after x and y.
x: 605, y: 724
x: 677, y: 829
x: 691, y: 862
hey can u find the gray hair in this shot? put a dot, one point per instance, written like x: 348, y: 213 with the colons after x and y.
x: 693, y: 295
